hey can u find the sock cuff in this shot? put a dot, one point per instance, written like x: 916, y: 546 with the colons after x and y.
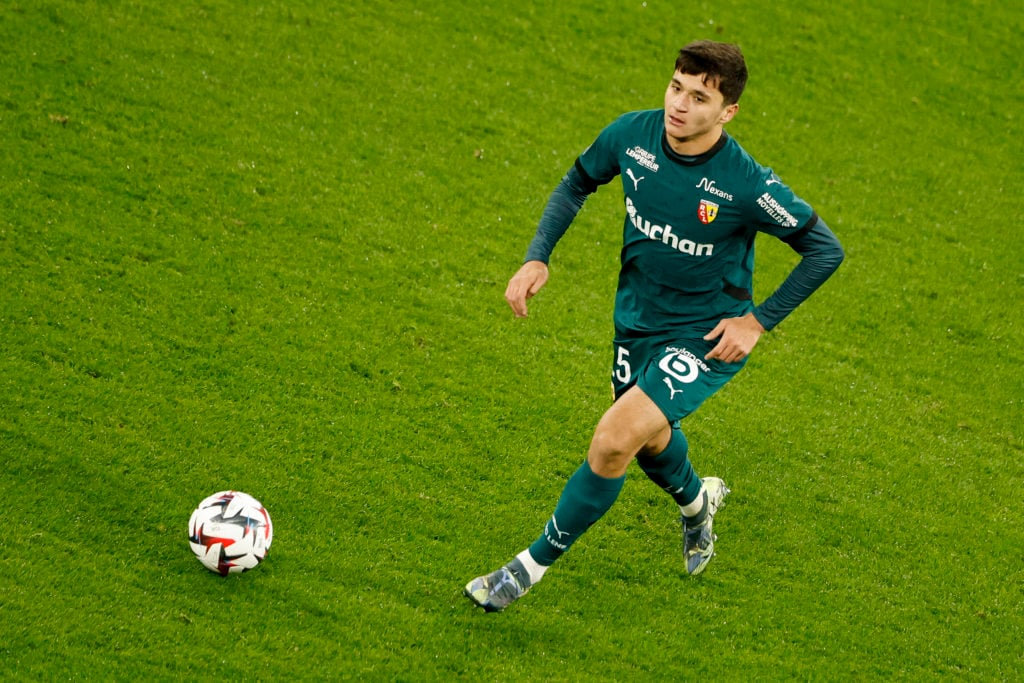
x: 702, y: 513
x: 597, y: 481
x: 534, y: 569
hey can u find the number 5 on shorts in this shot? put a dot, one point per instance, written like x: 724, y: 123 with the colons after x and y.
x: 622, y: 370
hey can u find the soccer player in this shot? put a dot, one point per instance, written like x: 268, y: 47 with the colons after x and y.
x: 684, y: 317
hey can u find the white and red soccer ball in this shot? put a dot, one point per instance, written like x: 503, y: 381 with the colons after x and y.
x: 230, y: 532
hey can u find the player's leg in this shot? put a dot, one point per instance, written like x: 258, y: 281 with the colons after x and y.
x: 634, y: 422
x: 670, y: 468
x: 631, y: 422
x: 698, y: 499
x: 664, y: 457
x: 625, y: 428
x: 678, y: 380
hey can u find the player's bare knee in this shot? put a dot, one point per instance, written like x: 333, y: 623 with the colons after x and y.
x: 610, y: 452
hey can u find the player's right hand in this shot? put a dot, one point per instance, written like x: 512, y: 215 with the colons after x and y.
x: 524, y: 284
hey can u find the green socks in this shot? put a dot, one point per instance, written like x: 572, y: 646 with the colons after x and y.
x: 672, y: 471
x: 585, y: 498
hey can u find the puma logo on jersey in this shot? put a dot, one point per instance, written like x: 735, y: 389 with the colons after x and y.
x: 636, y: 181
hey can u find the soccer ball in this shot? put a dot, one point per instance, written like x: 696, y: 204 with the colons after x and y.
x: 230, y: 532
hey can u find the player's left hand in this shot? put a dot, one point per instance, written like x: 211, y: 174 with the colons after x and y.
x: 736, y: 338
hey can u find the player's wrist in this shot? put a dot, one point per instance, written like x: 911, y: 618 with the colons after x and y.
x: 761, y: 323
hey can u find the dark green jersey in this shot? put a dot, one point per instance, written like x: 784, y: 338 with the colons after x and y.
x: 688, y: 237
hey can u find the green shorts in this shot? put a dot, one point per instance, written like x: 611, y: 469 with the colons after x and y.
x: 671, y: 371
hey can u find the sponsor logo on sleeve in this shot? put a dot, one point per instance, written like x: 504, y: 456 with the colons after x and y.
x: 777, y: 212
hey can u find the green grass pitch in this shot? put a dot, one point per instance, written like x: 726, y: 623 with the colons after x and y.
x: 263, y: 246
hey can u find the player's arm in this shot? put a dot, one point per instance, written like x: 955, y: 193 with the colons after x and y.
x: 564, y: 203
x: 821, y: 253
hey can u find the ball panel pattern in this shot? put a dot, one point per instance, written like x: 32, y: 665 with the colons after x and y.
x: 230, y: 532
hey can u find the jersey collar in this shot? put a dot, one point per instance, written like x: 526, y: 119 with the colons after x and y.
x: 693, y: 160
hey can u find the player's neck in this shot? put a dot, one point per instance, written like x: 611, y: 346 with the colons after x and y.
x: 695, y: 146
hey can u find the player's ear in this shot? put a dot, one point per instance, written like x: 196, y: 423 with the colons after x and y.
x: 729, y: 112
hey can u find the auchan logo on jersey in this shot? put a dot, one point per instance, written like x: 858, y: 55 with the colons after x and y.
x: 664, y: 234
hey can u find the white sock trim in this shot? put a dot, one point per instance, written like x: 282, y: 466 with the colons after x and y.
x: 693, y: 508
x: 533, y: 568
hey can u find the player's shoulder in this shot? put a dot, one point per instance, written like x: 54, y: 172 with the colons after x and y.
x: 633, y: 134
x: 763, y: 194
x: 630, y: 131
x: 643, y: 119
x: 744, y: 169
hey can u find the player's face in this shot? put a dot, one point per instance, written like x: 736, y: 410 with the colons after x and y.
x: 695, y: 112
